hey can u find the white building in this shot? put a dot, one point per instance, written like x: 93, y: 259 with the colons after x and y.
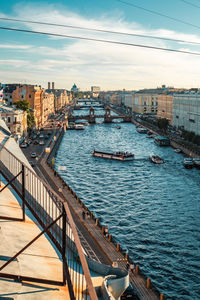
x: 186, y: 112
x: 15, y: 119
x: 128, y: 100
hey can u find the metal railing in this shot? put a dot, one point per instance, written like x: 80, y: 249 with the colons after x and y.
x: 47, y: 206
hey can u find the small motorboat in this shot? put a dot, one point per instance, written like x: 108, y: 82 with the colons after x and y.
x: 177, y: 150
x: 188, y: 163
x: 156, y: 159
x: 118, y: 127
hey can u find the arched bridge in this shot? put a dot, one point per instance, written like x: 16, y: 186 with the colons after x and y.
x: 91, y: 118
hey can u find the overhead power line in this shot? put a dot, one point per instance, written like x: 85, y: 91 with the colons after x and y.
x: 190, y: 3
x: 101, y: 30
x: 159, y: 14
x: 98, y: 40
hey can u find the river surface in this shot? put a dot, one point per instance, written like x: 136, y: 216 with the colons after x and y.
x: 153, y: 211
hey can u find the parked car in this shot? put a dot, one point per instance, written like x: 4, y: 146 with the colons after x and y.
x: 41, y: 143
x: 24, y: 145
x: 33, y: 155
x: 36, y: 142
x: 31, y: 163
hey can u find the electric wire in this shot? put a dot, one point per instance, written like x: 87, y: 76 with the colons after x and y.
x: 190, y: 3
x: 159, y: 14
x: 101, y: 30
x: 98, y: 40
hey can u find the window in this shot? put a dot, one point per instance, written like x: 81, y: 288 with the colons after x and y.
x: 29, y: 95
x: 177, y: 117
x: 8, y: 119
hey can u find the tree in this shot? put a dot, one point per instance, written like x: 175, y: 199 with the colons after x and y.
x: 163, y: 123
x: 25, y: 106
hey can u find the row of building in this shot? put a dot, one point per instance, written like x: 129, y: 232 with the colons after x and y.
x: 180, y: 107
x: 43, y: 103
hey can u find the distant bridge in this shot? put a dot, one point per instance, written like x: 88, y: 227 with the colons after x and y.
x: 91, y: 118
x: 89, y: 101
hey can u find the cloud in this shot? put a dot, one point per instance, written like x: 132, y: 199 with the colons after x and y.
x: 111, y: 66
x: 15, y: 47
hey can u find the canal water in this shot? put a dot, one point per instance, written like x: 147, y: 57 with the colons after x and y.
x: 153, y: 211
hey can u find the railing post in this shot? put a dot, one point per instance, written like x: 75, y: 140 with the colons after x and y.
x: 23, y: 192
x: 64, y: 242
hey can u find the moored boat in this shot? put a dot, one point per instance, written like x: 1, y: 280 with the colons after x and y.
x: 188, y: 163
x: 156, y: 159
x: 196, y: 162
x: 123, y: 156
x: 178, y: 150
x: 162, y: 140
x: 141, y: 129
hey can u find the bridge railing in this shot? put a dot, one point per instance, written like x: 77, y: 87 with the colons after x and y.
x: 47, y: 206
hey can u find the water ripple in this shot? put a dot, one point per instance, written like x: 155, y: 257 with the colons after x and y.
x: 152, y: 210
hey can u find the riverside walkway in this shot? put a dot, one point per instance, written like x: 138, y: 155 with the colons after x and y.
x: 96, y: 245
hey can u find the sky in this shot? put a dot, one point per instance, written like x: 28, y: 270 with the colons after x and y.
x: 38, y: 59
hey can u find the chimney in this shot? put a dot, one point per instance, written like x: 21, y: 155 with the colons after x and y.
x: 49, y: 85
x: 52, y: 85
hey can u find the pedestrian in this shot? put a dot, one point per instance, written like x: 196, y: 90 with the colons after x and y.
x: 106, y: 231
x: 83, y: 214
x: 132, y: 267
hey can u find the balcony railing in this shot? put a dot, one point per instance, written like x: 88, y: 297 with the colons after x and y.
x: 47, y: 207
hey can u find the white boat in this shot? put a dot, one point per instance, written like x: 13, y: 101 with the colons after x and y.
x: 188, y: 163
x: 178, y: 150
x: 123, y: 156
x: 196, y: 162
x: 79, y: 127
x: 156, y: 159
x: 141, y: 129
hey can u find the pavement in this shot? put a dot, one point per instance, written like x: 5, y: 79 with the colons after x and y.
x: 40, y: 260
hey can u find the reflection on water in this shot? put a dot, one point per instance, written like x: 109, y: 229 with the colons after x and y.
x: 152, y: 210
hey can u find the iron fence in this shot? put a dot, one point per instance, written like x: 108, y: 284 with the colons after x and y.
x: 47, y: 206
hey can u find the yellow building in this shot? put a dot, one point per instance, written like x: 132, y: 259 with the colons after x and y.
x: 145, y: 103
x: 165, y: 107
x: 48, y: 106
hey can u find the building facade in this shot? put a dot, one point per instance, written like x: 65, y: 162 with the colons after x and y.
x: 48, y: 106
x: 186, y: 112
x: 34, y: 95
x: 15, y: 119
x: 145, y: 103
x: 165, y: 107
x: 95, y: 90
